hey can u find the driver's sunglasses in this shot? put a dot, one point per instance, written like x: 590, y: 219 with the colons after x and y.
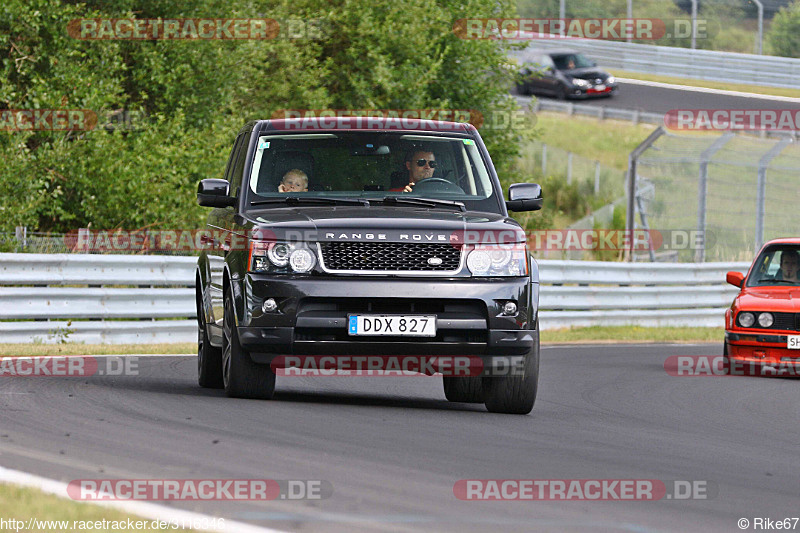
x: 421, y: 163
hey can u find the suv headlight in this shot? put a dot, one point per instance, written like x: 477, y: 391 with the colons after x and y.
x: 765, y: 320
x: 498, y: 260
x: 577, y: 82
x: 281, y: 257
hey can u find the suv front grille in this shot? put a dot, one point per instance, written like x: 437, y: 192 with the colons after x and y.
x: 390, y: 257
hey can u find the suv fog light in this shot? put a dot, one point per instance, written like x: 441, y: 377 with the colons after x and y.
x: 510, y: 309
x: 269, y: 305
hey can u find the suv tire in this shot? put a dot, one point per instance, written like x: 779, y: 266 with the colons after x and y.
x: 463, y: 389
x: 241, y: 376
x: 514, y: 394
x: 209, y: 358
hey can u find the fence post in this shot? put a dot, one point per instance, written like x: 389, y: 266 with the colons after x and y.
x: 544, y: 160
x: 596, y: 178
x: 761, y: 193
x: 569, y: 168
x: 21, y: 234
x: 633, y: 158
x: 702, y: 192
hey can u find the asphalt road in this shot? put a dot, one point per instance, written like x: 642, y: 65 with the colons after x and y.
x: 660, y: 100
x: 392, y: 448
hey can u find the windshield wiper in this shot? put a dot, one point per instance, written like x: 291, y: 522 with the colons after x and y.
x: 426, y: 202
x: 297, y: 200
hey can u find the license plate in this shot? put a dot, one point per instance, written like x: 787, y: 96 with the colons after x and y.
x: 600, y: 87
x: 397, y: 325
x: 793, y: 342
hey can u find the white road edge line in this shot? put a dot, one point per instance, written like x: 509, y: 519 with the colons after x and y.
x: 106, y: 355
x: 710, y: 91
x: 148, y: 510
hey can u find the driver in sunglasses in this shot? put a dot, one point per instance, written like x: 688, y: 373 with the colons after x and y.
x: 420, y: 164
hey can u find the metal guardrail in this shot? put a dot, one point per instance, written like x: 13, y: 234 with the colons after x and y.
x: 684, y: 62
x: 573, y: 293
x: 600, y: 112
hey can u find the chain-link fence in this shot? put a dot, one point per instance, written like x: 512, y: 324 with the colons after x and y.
x: 735, y: 192
x: 541, y: 160
x: 111, y: 242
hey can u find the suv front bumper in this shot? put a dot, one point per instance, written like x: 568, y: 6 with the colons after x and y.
x: 312, y: 315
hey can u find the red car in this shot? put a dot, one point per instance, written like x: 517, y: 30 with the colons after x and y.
x: 762, y: 327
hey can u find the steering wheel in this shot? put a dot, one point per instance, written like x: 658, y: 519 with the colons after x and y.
x: 436, y: 185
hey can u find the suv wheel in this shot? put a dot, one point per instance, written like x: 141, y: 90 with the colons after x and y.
x: 241, y: 376
x: 209, y: 358
x: 514, y: 394
x: 463, y: 389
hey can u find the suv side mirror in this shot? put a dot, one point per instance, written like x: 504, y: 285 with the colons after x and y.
x: 214, y: 193
x: 524, y: 197
x: 735, y: 279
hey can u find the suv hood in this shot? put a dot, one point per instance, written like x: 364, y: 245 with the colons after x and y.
x: 383, y: 224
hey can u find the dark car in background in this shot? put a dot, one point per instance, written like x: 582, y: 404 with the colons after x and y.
x: 313, y: 269
x: 562, y: 73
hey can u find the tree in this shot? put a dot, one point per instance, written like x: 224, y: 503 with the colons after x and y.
x: 784, y: 34
x: 195, y: 95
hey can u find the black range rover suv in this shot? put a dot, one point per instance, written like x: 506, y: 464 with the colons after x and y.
x: 312, y: 271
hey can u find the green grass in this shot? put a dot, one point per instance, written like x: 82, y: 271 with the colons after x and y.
x: 607, y: 141
x: 740, y: 87
x: 7, y: 350
x: 622, y: 334
x: 22, y: 503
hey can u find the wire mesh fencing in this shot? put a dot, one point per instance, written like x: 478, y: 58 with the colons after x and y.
x: 734, y: 192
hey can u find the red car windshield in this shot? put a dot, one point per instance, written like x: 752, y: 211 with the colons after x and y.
x: 777, y: 265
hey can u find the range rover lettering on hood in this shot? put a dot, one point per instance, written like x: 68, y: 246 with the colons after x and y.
x: 430, y: 237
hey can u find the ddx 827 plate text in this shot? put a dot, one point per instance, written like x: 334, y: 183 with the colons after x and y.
x: 392, y: 325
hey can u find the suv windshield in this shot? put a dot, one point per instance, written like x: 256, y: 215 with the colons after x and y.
x: 571, y: 61
x: 777, y: 265
x: 371, y: 166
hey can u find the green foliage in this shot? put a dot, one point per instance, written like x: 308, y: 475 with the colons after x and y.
x: 784, y: 35
x: 195, y: 95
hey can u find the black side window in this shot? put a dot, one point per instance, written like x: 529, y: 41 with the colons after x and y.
x: 231, y: 159
x: 238, y: 167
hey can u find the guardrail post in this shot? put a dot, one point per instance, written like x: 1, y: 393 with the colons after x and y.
x: 761, y: 193
x: 694, y: 24
x: 702, y: 192
x: 633, y: 158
